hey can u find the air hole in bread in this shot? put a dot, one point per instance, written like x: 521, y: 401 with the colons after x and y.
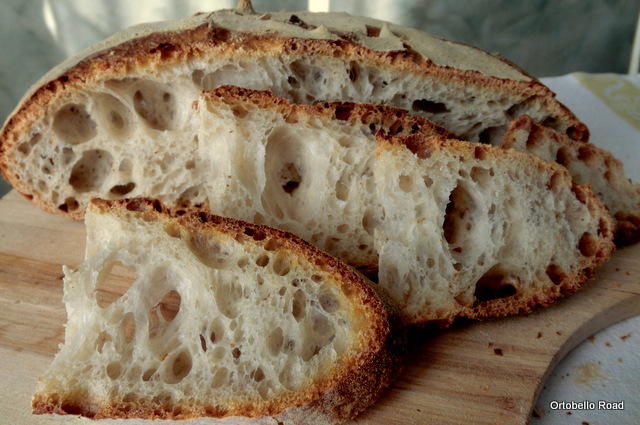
x: 215, y: 254
x: 196, y: 77
x: 588, y: 244
x: 299, y: 305
x: 180, y: 366
x: 370, y: 220
x: 258, y: 375
x: 429, y: 107
x: 562, y: 156
x: 103, y: 338
x: 121, y: 190
x: 489, y: 134
x: 262, y: 260
x: 128, y: 327
x: 70, y: 204
x: 25, y: 147
x: 428, y: 181
x: 353, y: 71
x: 146, y: 376
x: 293, y: 82
x: 255, y: 233
x: 457, y: 213
x: 114, y: 369
x: 328, y: 300
x: 373, y: 31
x: 91, y: 170
x: 113, y: 281
x: 155, y: 106
x: 217, y: 331
x: 289, y: 178
x: 235, y: 353
x: 169, y: 306
x: 556, y: 274
x: 190, y: 197
x: 73, y: 124
x: 405, y: 183
x: 227, y: 298
x: 275, y: 341
x: 239, y: 111
x: 112, y: 114
x: 281, y: 265
x: 495, y: 284
x: 342, y: 190
x: 286, y: 379
x: 220, y: 377
x: 203, y: 343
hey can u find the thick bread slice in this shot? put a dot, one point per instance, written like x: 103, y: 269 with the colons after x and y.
x: 457, y: 229
x: 215, y: 317
x: 587, y: 164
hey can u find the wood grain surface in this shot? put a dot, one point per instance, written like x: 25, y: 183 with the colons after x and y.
x: 473, y: 373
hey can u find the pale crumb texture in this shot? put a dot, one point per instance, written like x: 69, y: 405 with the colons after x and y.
x: 197, y: 316
x: 456, y: 229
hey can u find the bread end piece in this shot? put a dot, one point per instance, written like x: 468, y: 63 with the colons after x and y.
x: 216, y: 318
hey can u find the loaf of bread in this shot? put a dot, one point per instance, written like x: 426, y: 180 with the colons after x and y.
x: 452, y: 228
x: 177, y: 317
x: 144, y: 79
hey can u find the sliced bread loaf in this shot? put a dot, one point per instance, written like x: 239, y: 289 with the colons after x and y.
x: 144, y: 79
x: 454, y: 228
x: 202, y: 316
x: 587, y: 164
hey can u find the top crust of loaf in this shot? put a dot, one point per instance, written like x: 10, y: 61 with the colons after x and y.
x: 351, y: 385
x: 245, y: 33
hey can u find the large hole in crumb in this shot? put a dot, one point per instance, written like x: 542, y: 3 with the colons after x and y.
x: 114, y: 369
x: 114, y: 280
x: 180, y: 366
x: 289, y: 178
x: 495, y: 284
x: 155, y: 105
x: 128, y: 327
x: 328, y: 300
x: 169, y: 306
x: 457, y: 212
x: 212, y: 253
x: 121, y: 190
x: 429, y: 107
x: 299, y: 305
x: 588, y: 245
x: 91, y: 170
x: 73, y: 124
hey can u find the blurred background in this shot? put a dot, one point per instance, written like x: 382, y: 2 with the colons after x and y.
x: 544, y: 37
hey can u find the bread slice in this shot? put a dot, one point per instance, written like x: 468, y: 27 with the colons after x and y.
x: 446, y: 223
x: 144, y: 79
x: 587, y: 164
x: 177, y: 317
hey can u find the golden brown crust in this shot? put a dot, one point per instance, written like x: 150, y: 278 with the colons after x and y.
x: 157, y: 47
x: 345, y: 391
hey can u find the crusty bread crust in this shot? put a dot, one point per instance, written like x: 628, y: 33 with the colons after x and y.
x: 351, y: 385
x: 153, y: 49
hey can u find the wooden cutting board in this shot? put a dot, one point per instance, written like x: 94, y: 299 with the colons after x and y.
x: 473, y: 373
